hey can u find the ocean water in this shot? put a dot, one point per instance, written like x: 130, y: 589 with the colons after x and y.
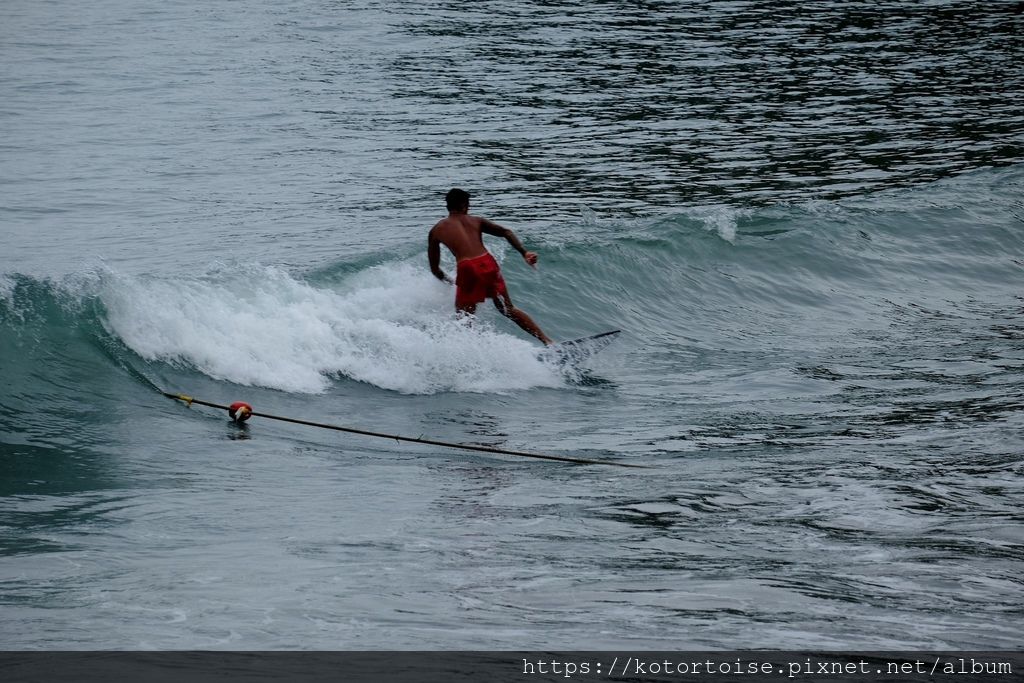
x: 806, y: 219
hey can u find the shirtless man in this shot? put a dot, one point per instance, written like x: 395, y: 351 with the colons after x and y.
x: 478, y: 275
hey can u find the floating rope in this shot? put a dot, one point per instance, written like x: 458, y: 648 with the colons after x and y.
x: 189, y: 400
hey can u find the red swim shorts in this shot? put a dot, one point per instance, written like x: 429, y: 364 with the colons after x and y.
x: 477, y: 279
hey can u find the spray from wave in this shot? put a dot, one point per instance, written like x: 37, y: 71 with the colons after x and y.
x: 390, y: 326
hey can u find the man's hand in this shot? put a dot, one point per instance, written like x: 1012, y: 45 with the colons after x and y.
x: 531, y: 258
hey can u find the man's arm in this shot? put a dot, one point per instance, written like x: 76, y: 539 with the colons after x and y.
x: 492, y: 228
x: 434, y: 257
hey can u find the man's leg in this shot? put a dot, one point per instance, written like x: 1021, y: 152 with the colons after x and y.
x: 505, y: 307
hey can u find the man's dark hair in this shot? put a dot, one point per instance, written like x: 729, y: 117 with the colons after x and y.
x: 456, y: 199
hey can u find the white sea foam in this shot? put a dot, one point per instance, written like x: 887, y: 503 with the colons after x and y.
x: 719, y: 218
x: 391, y: 326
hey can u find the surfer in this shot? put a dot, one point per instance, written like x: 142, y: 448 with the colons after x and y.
x: 478, y: 276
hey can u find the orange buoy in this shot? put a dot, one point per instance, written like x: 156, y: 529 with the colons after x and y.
x: 240, y: 411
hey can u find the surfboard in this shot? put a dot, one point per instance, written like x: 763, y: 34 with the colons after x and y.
x: 573, y: 351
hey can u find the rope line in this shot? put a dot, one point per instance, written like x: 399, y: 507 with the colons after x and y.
x: 189, y: 400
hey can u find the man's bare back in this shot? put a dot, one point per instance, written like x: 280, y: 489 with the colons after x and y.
x: 463, y: 235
